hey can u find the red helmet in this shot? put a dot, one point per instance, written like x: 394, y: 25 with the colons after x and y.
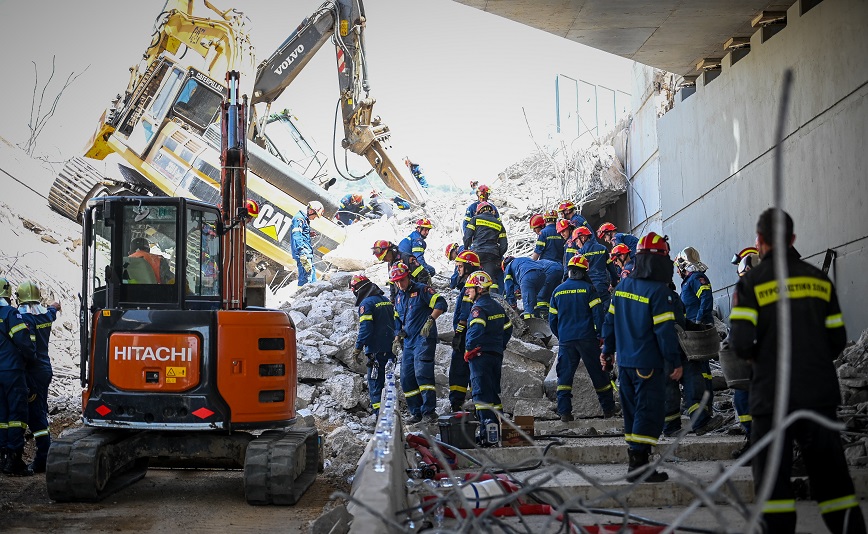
x: 550, y: 216
x: 605, y: 227
x: 468, y: 256
x: 566, y: 205
x: 578, y: 261
x: 483, y: 192
x: 581, y: 230
x: 252, y: 207
x: 358, y: 281
x: 380, y: 248
x: 653, y: 244
x: 398, y: 271
x: 562, y: 225
x: 537, y: 221
x: 356, y: 198
x: 505, y: 263
x: 620, y: 248
x: 450, y: 248
x: 483, y: 207
x: 736, y: 258
x: 424, y: 223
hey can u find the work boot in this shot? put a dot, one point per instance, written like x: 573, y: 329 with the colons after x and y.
x: 414, y: 419
x: 456, y: 408
x: 16, y: 467
x: 609, y: 414
x: 637, y: 467
x: 712, y: 424
x: 567, y: 417
x: 430, y: 418
x: 738, y: 453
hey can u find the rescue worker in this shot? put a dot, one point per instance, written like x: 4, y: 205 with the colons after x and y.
x: 571, y: 248
x: 576, y: 319
x: 388, y: 252
x: 452, y: 252
x: 400, y: 203
x: 417, y: 307
x: 416, y: 171
x: 537, y: 223
x: 17, y: 351
x: 39, y: 374
x: 486, y: 236
x: 554, y: 275
x: 568, y: 211
x: 376, y: 331
x: 609, y: 233
x: 301, y: 246
x: 483, y: 193
x: 526, y: 276
x: 140, y: 248
x: 698, y: 304
x: 622, y: 260
x: 459, y: 371
x: 598, y: 263
x: 488, y: 333
x: 350, y: 209
x: 818, y: 336
x: 378, y: 207
x: 549, y: 244
x: 640, y: 327
x: 414, y: 244
x: 565, y: 230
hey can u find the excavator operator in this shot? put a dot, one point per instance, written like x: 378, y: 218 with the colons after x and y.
x: 160, y: 272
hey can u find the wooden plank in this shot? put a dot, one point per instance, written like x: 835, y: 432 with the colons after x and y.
x: 767, y: 17
x: 736, y: 42
x: 708, y: 63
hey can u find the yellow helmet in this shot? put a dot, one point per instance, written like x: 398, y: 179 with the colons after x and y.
x: 5, y: 288
x: 28, y: 291
x: 478, y: 279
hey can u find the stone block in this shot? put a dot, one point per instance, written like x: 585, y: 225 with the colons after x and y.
x: 345, y: 389
x: 313, y: 289
x: 538, y: 408
x: 316, y: 372
x: 444, y: 327
x: 530, y: 351
x: 520, y: 379
x: 304, y: 395
x: 296, y: 316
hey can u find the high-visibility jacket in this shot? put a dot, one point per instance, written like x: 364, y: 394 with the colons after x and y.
x: 697, y: 299
x: 575, y: 312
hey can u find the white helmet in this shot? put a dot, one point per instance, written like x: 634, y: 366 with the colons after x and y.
x: 747, y: 263
x: 316, y: 207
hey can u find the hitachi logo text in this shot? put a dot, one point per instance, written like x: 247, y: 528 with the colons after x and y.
x: 157, y: 354
x: 289, y: 59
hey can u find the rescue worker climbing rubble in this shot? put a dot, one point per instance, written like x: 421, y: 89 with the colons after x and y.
x: 621, y: 260
x: 350, y: 209
x: 568, y: 211
x: 376, y: 331
x: 301, y: 245
x: 486, y: 236
x: 452, y: 252
x: 39, y: 319
x: 17, y: 351
x: 576, y: 319
x: 537, y: 223
x: 459, y: 371
x: 554, y: 275
x: 598, y: 263
x: 526, y: 276
x: 488, y: 333
x: 414, y: 244
x: 417, y: 307
x: 609, y: 233
x: 483, y: 193
x: 388, y: 252
x: 416, y: 171
x: 549, y: 244
x: 640, y: 327
x: 817, y: 332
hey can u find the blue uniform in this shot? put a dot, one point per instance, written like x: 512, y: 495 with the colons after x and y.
x: 301, y: 247
x: 486, y: 236
x: 414, y: 245
x: 417, y: 173
x: 17, y: 350
x: 459, y: 370
x: 628, y: 239
x: 348, y: 210
x: 641, y: 319
x: 39, y: 376
x: 470, y: 213
x: 577, y: 220
x: 550, y: 244
x: 571, y: 248
x: 598, y: 269
x: 490, y: 330
x: 528, y: 276
x: 413, y: 306
x: 376, y: 332
x: 697, y: 299
x: 454, y: 279
x: 554, y: 275
x: 576, y: 319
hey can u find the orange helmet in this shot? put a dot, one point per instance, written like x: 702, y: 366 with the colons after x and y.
x: 358, y: 281
x: 478, y: 279
x: 578, y: 261
x: 620, y: 248
x: 562, y: 225
x: 653, y: 244
x: 398, y: 272
x: 581, y: 230
x: 537, y: 221
x: 737, y: 257
x: 483, y: 192
x: 450, y: 248
x: 424, y: 222
x: 605, y: 227
x: 356, y: 198
x: 566, y: 205
x: 505, y: 263
x: 550, y: 216
x: 483, y: 207
x: 468, y: 256
x: 380, y: 248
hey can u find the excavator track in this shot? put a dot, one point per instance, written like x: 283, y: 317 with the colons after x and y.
x: 77, y: 182
x: 280, y: 466
x: 88, y: 464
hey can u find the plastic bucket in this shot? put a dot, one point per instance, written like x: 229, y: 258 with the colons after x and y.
x: 699, y: 344
x: 737, y: 371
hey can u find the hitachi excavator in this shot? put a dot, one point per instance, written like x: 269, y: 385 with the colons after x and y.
x: 178, y: 369
x: 165, y: 125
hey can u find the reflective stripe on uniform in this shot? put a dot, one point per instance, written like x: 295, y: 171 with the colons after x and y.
x: 553, y: 311
x: 411, y: 393
x: 638, y: 438
x: 835, y: 321
x: 745, y: 418
x: 703, y: 288
x: 433, y: 300
x: 17, y: 328
x: 663, y: 317
x: 707, y: 376
x: 483, y: 222
x: 40, y: 433
x: 632, y: 296
x: 478, y: 320
x: 692, y: 408
x: 416, y: 271
x: 798, y: 287
x: 672, y: 417
x: 366, y: 318
x: 612, y: 309
x: 841, y: 503
x: 418, y: 249
x: 744, y: 314
x: 565, y: 388
x: 426, y: 387
x: 375, y: 406
x: 783, y: 506
x: 483, y: 406
x: 507, y: 324
x: 594, y: 303
x: 607, y: 387
x: 460, y: 389
x: 17, y: 424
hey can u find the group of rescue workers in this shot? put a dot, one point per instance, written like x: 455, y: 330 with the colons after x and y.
x: 608, y: 294
x: 25, y: 373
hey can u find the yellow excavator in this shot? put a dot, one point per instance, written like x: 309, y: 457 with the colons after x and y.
x: 166, y: 125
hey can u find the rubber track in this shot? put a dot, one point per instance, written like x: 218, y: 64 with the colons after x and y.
x: 82, y: 465
x: 72, y: 187
x: 280, y: 467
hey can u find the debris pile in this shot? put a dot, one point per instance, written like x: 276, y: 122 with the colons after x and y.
x: 853, y: 377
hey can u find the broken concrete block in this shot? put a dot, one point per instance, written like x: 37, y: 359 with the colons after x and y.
x: 313, y: 289
x: 316, y: 372
x: 538, y: 408
x: 520, y: 379
x: 585, y: 402
x: 296, y: 317
x: 304, y: 395
x: 444, y: 327
x: 530, y: 351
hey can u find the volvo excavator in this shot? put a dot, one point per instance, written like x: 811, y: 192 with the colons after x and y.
x: 165, y: 125
x: 178, y: 369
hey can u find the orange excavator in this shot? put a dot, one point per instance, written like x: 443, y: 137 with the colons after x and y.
x: 178, y: 369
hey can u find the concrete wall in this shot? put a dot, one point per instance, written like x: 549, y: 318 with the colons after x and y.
x: 716, y: 151
x: 643, y: 163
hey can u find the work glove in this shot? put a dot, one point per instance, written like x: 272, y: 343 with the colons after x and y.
x: 397, y: 346
x: 426, y: 328
x: 469, y: 355
x: 458, y: 338
x: 357, y: 355
x: 306, y: 264
x: 607, y: 362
